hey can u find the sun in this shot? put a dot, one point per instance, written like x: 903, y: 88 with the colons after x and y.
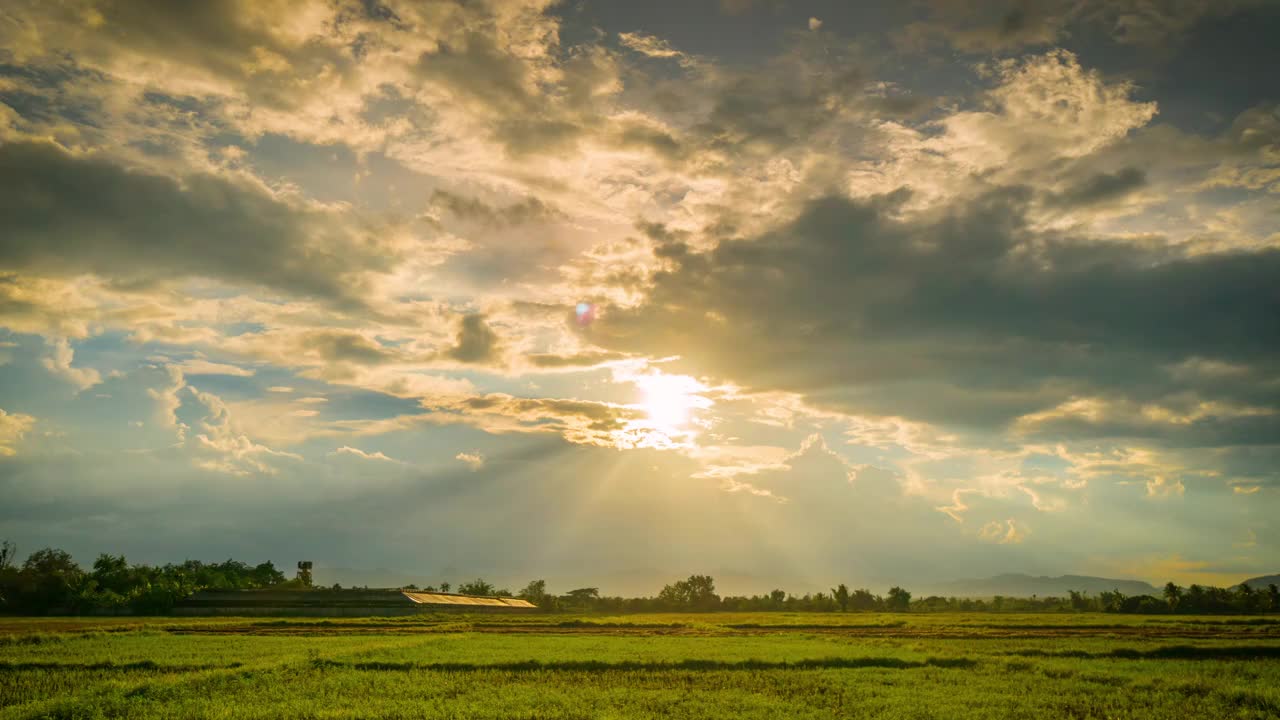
x: 669, y: 401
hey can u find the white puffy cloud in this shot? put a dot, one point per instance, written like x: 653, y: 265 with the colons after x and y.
x: 474, y: 460
x: 363, y: 455
x: 59, y: 360
x: 1007, y: 533
x: 13, y: 427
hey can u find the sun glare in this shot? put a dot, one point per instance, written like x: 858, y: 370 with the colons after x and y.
x: 669, y: 401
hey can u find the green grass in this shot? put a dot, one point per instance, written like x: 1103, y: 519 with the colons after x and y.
x: 642, y: 666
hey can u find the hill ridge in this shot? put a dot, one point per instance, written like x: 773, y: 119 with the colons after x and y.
x: 1026, y: 585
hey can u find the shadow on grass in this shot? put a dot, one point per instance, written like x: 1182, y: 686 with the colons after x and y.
x: 818, y: 626
x: 657, y: 666
x: 7, y: 667
x: 1200, y: 621
x: 1173, y: 652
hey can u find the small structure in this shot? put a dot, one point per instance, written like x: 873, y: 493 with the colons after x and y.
x: 304, y: 572
x: 350, y: 603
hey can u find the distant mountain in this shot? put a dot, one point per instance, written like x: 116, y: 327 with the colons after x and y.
x: 1018, y: 585
x: 1260, y: 583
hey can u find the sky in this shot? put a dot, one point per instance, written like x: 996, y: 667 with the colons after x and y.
x: 610, y: 293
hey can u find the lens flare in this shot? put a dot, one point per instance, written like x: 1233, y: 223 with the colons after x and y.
x: 585, y: 312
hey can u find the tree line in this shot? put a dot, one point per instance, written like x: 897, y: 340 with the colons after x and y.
x: 51, y: 581
x: 697, y: 594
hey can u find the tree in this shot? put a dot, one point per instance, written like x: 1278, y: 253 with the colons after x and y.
x: 265, y: 575
x: 476, y: 587
x: 112, y: 573
x: 862, y: 599
x: 582, y: 598
x: 1112, y: 601
x: 9, y: 586
x: 841, y: 595
x: 696, y: 593
x: 51, y: 577
x: 899, y: 600
x: 1194, y: 600
x: 444, y: 587
x: 1245, y: 598
x: 535, y: 592
x: 1172, y: 595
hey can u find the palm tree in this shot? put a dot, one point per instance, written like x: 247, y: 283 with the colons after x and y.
x: 841, y: 595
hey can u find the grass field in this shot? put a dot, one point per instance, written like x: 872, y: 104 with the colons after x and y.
x: 652, y: 666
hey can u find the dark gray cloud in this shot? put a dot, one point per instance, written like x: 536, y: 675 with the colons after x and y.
x: 476, y: 341
x: 470, y: 209
x: 1006, y: 25
x: 505, y: 84
x: 577, y: 360
x: 1209, y: 431
x: 965, y: 317
x: 240, y: 45
x: 1101, y: 188
x: 990, y: 26
x: 336, y: 346
x: 65, y: 214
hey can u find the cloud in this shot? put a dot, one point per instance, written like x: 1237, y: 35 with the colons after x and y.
x: 650, y: 46
x: 1044, y: 107
x: 1160, y: 486
x: 990, y: 27
x: 528, y: 210
x: 581, y: 422
x: 13, y: 427
x: 300, y: 69
x: 346, y: 356
x: 1101, y: 187
x: 473, y: 460
x: 200, y: 366
x: 497, y: 77
x: 584, y: 359
x: 730, y: 461
x: 815, y: 23
x: 1008, y: 25
x: 1152, y: 24
x: 1183, y: 420
x: 357, y: 452
x: 476, y: 342
x: 862, y: 310
x: 1006, y: 533
x: 58, y: 362
x: 218, y: 445
x: 71, y: 213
